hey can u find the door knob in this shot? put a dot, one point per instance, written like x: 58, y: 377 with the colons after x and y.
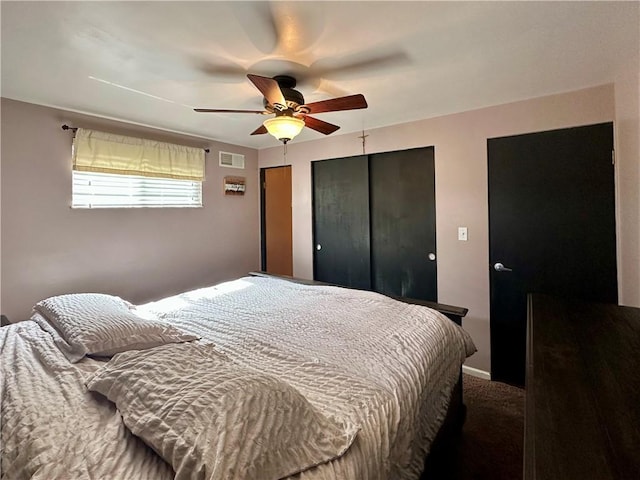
x: 432, y: 256
x: 498, y: 267
x: 318, y: 247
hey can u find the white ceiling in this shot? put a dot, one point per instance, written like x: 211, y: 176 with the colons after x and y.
x: 150, y: 63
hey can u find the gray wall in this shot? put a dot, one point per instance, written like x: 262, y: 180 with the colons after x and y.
x: 460, y: 142
x: 47, y: 248
x: 140, y: 254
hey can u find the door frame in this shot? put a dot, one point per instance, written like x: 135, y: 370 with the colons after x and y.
x: 263, y: 223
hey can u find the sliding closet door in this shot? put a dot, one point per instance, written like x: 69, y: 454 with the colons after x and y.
x: 403, y: 223
x: 341, y: 221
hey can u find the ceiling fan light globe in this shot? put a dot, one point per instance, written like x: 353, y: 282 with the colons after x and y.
x: 283, y: 127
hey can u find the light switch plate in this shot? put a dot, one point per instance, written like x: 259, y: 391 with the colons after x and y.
x: 462, y: 234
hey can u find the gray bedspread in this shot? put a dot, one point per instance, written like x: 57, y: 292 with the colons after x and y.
x: 387, y: 366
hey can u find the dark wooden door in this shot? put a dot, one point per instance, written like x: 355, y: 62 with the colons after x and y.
x: 552, y: 223
x: 403, y: 223
x: 341, y: 221
x: 277, y: 251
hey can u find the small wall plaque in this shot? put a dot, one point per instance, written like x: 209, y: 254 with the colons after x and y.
x: 234, y: 185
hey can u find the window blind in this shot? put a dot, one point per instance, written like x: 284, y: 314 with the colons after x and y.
x: 101, y: 152
x: 103, y: 190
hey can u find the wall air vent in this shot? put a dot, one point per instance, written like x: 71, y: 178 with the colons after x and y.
x: 233, y: 160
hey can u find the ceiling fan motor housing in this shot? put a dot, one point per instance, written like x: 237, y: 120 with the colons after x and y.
x: 293, y: 97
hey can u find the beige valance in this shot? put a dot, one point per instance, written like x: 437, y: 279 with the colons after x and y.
x: 95, y: 151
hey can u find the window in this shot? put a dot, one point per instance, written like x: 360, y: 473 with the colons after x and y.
x: 105, y: 190
x: 114, y: 171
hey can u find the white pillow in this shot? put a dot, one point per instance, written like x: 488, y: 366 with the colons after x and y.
x: 212, y: 419
x: 102, y: 325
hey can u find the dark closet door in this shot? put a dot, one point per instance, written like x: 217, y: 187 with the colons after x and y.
x: 341, y: 221
x: 403, y: 223
x: 551, y: 226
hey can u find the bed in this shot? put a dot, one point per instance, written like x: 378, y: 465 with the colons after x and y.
x: 259, y: 377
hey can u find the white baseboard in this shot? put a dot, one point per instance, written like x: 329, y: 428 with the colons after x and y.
x: 475, y: 372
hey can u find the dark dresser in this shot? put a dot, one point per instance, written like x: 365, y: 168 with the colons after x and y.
x: 582, y: 412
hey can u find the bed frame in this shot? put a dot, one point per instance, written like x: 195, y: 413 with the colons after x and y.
x: 442, y: 455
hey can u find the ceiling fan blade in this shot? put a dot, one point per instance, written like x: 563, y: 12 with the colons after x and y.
x: 269, y: 88
x: 260, y: 130
x: 350, y: 102
x: 370, y: 62
x: 224, y: 110
x: 223, y: 70
x: 259, y: 24
x: 299, y: 27
x: 319, y: 125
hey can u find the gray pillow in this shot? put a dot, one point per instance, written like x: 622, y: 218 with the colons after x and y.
x: 101, y: 325
x: 212, y: 419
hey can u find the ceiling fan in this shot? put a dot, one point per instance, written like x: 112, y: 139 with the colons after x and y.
x: 291, y: 112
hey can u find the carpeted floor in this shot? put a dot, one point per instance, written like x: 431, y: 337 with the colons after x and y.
x: 492, y: 437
